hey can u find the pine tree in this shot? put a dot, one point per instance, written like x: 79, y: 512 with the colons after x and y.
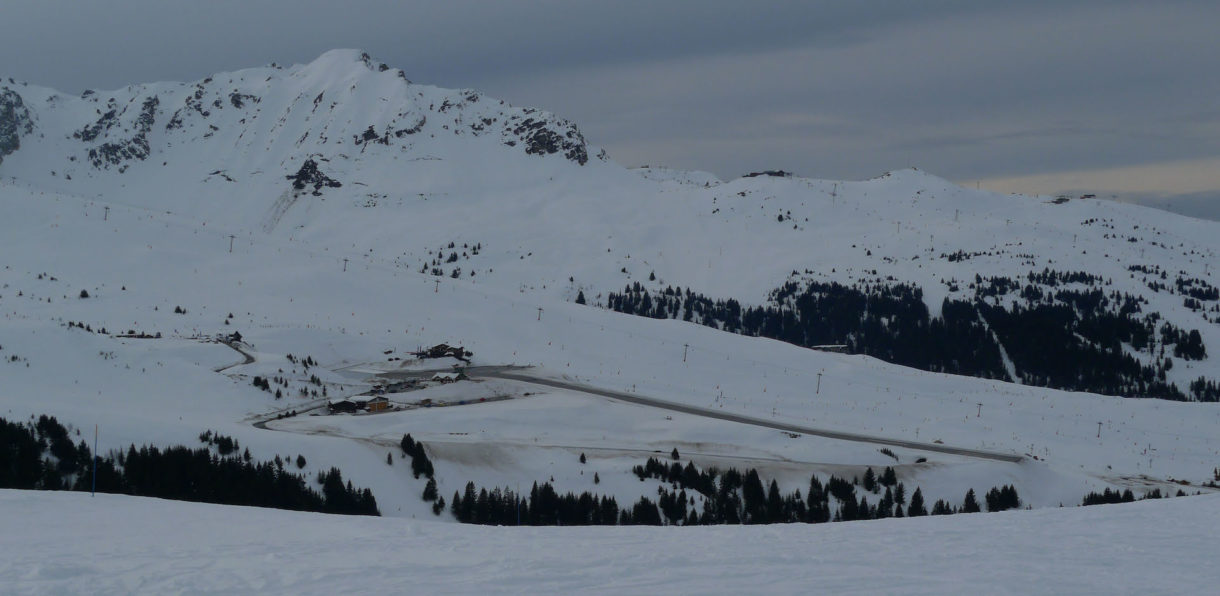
x: 970, y: 505
x: 870, y: 480
x: 420, y: 464
x: 755, y: 498
x: 942, y: 508
x: 469, y: 501
x: 775, y: 505
x: 430, y: 492
x: 1004, y: 498
x: 886, y: 506
x: 888, y: 478
x: 916, y: 508
x: 863, y: 510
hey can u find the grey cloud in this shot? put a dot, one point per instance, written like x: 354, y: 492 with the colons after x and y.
x: 963, y: 89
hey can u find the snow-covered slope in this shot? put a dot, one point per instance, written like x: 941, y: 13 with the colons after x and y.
x: 348, y: 157
x: 689, y: 177
x: 254, y: 201
x: 70, y: 543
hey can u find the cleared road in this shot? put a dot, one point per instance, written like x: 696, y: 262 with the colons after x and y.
x: 246, y: 357
x: 470, y: 371
x: 505, y: 373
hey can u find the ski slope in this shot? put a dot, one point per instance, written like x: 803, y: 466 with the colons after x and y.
x: 71, y: 543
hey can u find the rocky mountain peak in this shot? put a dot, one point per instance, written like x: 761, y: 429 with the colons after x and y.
x: 14, y: 121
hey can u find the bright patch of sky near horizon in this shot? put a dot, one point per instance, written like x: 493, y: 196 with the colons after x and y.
x: 1023, y: 97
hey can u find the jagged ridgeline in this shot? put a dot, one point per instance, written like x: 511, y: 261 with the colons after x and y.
x: 251, y: 111
x: 1065, y: 330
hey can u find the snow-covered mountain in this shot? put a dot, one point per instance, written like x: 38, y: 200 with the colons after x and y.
x: 336, y: 213
x: 347, y: 154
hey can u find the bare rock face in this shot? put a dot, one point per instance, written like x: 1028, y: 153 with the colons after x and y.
x: 127, y: 148
x: 14, y: 121
x: 310, y: 175
x: 541, y: 137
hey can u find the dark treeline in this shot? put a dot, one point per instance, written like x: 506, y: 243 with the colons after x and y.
x: 41, y: 455
x: 708, y: 497
x: 733, y: 497
x: 1114, y: 496
x: 1065, y: 338
x: 1205, y: 389
x: 1197, y: 289
x: 542, y: 507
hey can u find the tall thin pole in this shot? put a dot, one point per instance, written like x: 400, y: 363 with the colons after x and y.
x: 818, y: 391
x: 93, y: 491
x: 539, y: 313
x: 1099, y: 430
x: 685, y: 347
x: 345, y: 264
x: 106, y: 213
x: 437, y: 289
x: 980, y: 412
x: 231, y: 237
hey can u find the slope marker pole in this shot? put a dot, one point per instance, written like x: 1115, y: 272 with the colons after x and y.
x: 93, y: 491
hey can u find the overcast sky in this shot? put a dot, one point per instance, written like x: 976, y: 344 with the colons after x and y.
x: 1109, y: 97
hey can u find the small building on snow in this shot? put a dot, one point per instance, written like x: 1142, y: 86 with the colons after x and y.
x: 449, y: 377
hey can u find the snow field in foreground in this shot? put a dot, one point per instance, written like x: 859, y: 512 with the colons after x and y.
x: 69, y: 543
